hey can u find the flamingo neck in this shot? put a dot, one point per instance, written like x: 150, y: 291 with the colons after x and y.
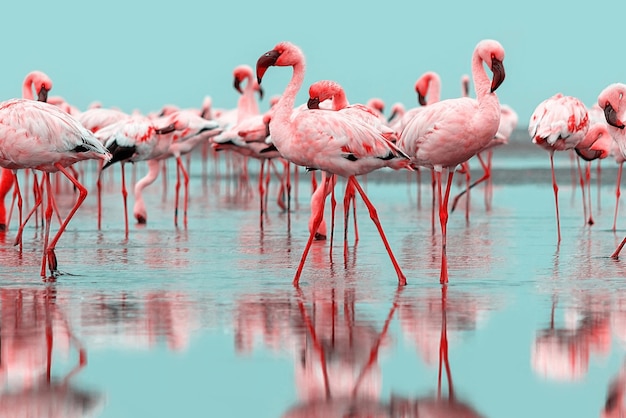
x: 340, y: 100
x: 434, y: 90
x: 27, y: 90
x: 247, y: 105
x: 285, y: 104
x: 482, y: 83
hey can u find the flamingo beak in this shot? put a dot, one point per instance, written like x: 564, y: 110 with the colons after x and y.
x: 42, y: 96
x: 260, y: 93
x: 237, y: 85
x: 498, y: 73
x: 264, y: 62
x: 313, y: 103
x: 611, y: 117
x: 421, y: 99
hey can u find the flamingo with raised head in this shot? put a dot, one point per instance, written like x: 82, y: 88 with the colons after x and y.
x: 328, y: 141
x: 41, y: 136
x: 613, y: 102
x: 448, y: 133
x: 558, y: 123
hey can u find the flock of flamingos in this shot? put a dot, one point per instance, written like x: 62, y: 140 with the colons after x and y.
x: 327, y: 134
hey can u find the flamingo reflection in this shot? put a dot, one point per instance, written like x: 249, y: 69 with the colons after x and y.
x: 563, y: 352
x: 336, y: 353
x: 34, y: 328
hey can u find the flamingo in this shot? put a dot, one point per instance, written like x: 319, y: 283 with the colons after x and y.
x: 94, y: 119
x: 611, y: 101
x: 136, y: 138
x: 558, y: 123
x: 41, y: 84
x: 596, y: 145
x: 330, y: 141
x: 41, y: 136
x: 328, y: 90
x: 190, y: 130
x: 448, y: 133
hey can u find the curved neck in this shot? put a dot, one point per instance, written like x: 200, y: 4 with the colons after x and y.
x: 285, y: 104
x: 434, y: 90
x: 482, y: 83
x: 247, y: 105
x: 27, y: 89
x: 340, y: 100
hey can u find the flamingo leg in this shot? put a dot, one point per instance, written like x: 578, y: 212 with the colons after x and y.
x: 82, y: 194
x: 443, y: 220
x: 443, y: 346
x: 333, y: 207
x: 486, y: 176
x: 590, y: 221
x: 99, y: 193
x: 176, y: 192
x: 317, y: 220
x: 618, y: 193
x: 582, y: 189
x: 185, y: 174
x: 48, y: 219
x: 555, y: 187
x: 38, y: 202
x: 374, y: 217
x: 125, y: 199
x: 261, y: 193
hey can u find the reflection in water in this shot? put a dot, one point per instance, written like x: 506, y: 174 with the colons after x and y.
x: 336, y: 348
x: 32, y: 327
x: 563, y: 352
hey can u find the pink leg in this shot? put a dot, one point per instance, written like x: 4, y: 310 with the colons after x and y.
x: 261, y: 193
x: 48, y: 220
x: 582, y: 189
x: 176, y: 192
x: 38, y: 202
x: 99, y: 193
x: 433, y: 182
x: 443, y: 347
x: 125, y: 198
x: 333, y: 207
x: 590, y: 221
x: 599, y: 183
x: 556, y: 197
x: 185, y: 173
x: 317, y: 220
x: 443, y: 220
x: 374, y: 217
x: 615, y: 254
x: 618, y: 193
x: 485, y: 177
x: 52, y: 262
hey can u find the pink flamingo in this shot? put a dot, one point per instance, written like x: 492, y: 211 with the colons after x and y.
x: 611, y: 100
x: 558, y: 123
x: 596, y: 145
x: 190, y: 130
x: 136, y: 138
x: 328, y: 141
x: 41, y: 136
x: 328, y: 90
x: 448, y: 133
x: 41, y: 84
x: 95, y: 119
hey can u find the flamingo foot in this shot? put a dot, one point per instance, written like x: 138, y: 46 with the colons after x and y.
x: 52, y: 261
x: 320, y: 237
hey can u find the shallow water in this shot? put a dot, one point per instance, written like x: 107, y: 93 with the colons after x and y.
x: 204, y: 321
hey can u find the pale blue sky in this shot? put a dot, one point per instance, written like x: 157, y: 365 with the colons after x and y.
x: 142, y: 56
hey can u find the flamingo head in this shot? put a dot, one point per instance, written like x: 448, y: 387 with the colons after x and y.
x: 284, y: 54
x: 610, y: 100
x: 320, y: 91
x: 491, y: 52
